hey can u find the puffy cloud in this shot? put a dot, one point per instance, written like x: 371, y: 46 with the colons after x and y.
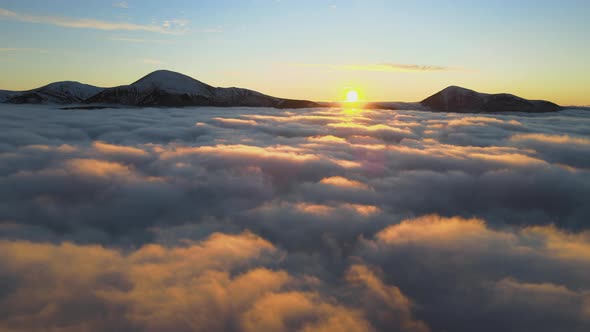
x: 339, y: 181
x: 153, y: 288
x: 136, y: 220
x: 221, y: 283
x: 387, y: 304
x: 565, y: 149
x: 296, y: 311
x: 467, y: 266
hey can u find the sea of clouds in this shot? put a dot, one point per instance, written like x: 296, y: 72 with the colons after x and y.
x: 245, y: 219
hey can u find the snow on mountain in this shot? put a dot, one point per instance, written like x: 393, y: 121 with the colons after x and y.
x: 461, y: 100
x: 59, y: 93
x: 172, y: 82
x: 170, y: 89
x: 167, y: 88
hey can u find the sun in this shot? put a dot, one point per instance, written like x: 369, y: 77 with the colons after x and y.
x: 352, y: 96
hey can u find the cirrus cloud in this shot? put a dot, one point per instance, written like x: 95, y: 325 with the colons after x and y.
x: 167, y: 27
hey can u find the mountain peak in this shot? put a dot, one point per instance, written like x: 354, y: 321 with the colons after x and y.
x: 462, y: 100
x: 170, y: 81
x: 164, y: 74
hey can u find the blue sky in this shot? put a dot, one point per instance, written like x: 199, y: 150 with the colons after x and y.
x: 388, y: 50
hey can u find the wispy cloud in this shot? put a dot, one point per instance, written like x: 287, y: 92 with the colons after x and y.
x: 383, y: 67
x: 396, y: 67
x: 17, y: 49
x: 138, y: 40
x: 12, y: 50
x: 176, y: 26
x: 122, y: 4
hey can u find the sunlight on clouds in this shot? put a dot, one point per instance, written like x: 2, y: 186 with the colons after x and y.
x: 515, y: 159
x: 111, y: 149
x: 327, y: 138
x: 318, y: 209
x: 555, y: 139
x: 92, y: 167
x: 339, y: 181
x: 314, y: 219
x: 240, y: 150
x: 436, y: 231
x: 363, y: 210
x: 232, y: 121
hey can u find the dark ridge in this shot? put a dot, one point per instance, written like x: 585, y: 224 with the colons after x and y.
x: 461, y: 100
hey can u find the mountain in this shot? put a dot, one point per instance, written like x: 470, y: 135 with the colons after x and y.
x: 55, y: 93
x: 395, y: 105
x: 167, y: 88
x: 461, y: 100
x: 170, y: 89
x: 160, y: 88
x: 4, y: 95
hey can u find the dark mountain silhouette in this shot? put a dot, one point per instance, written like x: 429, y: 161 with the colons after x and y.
x: 165, y: 88
x: 461, y: 100
x: 160, y: 88
x: 57, y: 93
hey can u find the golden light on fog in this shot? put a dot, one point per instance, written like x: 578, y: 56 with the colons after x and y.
x: 352, y: 96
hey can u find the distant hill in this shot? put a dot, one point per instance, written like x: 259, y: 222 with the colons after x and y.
x: 165, y: 88
x: 57, y: 93
x: 160, y: 88
x: 461, y: 100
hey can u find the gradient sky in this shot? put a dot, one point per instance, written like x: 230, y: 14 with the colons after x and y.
x: 387, y: 50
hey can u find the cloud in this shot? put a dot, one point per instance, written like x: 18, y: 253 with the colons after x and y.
x: 383, y: 67
x: 395, y: 67
x: 167, y: 27
x: 139, y: 40
x: 309, y: 219
x: 122, y: 4
x: 514, y: 273
x: 569, y: 150
x: 17, y: 49
x: 386, y: 303
x: 223, y: 282
x: 342, y: 182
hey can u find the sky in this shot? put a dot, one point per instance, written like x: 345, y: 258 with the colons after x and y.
x: 386, y: 50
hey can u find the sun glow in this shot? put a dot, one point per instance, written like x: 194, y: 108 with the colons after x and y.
x: 352, y: 96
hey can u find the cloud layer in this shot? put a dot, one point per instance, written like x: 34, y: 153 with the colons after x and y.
x: 244, y: 219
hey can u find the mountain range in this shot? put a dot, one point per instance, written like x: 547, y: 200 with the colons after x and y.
x: 160, y: 88
x: 165, y: 88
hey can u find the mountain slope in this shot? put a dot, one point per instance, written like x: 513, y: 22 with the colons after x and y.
x: 170, y: 89
x: 167, y: 88
x: 5, y: 95
x: 57, y: 93
x: 461, y: 100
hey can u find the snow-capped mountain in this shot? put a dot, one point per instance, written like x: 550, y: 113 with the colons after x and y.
x: 170, y: 89
x: 56, y: 93
x: 160, y: 88
x: 461, y: 100
x: 167, y: 88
